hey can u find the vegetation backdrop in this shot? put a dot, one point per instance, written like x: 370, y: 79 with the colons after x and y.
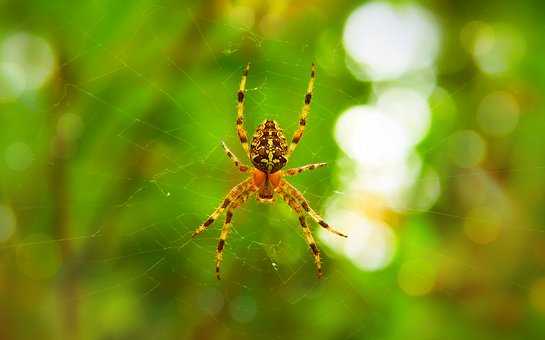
x: 430, y: 115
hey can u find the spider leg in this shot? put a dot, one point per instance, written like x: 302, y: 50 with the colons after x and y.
x: 241, y: 131
x: 298, y: 196
x: 226, y: 228
x: 304, y: 111
x: 223, y: 238
x: 306, y: 230
x: 234, y: 194
x: 242, y: 167
x: 308, y: 167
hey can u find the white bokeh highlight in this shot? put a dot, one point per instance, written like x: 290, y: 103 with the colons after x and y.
x: 395, y: 47
x: 32, y: 56
x: 387, y: 41
x: 409, y: 108
x: 371, y: 244
x: 371, y: 137
x: 12, y: 81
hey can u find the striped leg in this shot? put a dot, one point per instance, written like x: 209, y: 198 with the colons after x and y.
x: 226, y: 227
x: 292, y: 191
x: 223, y: 238
x: 308, y: 167
x: 233, y: 157
x: 304, y: 111
x: 241, y: 131
x: 308, y: 234
x: 232, y: 196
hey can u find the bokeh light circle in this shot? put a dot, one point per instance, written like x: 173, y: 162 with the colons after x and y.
x: 428, y: 191
x: 18, y: 156
x: 370, y: 244
x: 33, y: 55
x: 417, y: 277
x: 12, y: 81
x: 498, y: 114
x: 409, y: 108
x: 243, y: 308
x: 387, y: 41
x: 69, y: 126
x: 483, y: 225
x: 537, y: 295
x: 466, y: 148
x: 495, y: 48
x: 390, y: 182
x: 371, y: 137
x: 7, y: 222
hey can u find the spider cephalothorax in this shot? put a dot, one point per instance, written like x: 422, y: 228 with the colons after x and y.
x: 269, y: 153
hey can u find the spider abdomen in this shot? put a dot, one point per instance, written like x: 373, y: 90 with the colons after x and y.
x: 268, y: 149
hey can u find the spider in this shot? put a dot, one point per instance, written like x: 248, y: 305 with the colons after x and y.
x: 269, y: 153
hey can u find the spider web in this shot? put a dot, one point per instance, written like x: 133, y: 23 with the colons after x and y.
x: 150, y: 163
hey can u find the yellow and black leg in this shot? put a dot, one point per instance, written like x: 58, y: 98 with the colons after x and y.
x: 241, y: 94
x: 227, y: 227
x: 293, y: 192
x: 304, y: 111
x: 223, y: 238
x: 306, y: 230
x: 232, y: 196
x: 242, y: 167
x: 308, y: 167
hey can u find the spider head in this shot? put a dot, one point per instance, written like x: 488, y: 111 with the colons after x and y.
x: 268, y: 149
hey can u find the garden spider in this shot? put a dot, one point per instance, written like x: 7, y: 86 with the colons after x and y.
x: 269, y: 152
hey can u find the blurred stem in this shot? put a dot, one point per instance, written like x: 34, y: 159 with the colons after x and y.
x: 60, y: 221
x: 58, y: 183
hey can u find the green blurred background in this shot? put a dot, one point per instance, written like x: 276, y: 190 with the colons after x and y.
x: 430, y: 115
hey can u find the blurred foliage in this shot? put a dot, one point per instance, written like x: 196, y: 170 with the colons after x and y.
x: 108, y: 167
